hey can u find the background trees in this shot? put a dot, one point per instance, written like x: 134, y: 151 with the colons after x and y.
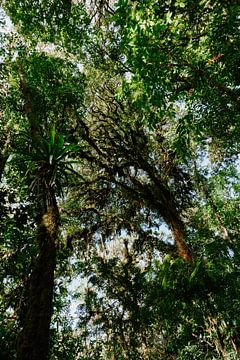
x: 119, y: 178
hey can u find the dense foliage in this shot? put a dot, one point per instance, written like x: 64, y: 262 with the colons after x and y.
x: 119, y: 171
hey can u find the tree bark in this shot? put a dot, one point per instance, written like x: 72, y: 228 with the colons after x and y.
x: 171, y: 215
x: 179, y: 235
x: 161, y: 199
x: 168, y: 210
x: 34, y: 338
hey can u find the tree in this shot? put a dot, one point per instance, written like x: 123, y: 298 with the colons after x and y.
x: 125, y: 121
x: 42, y: 151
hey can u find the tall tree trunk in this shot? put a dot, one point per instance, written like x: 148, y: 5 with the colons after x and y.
x: 168, y: 210
x: 171, y: 215
x: 179, y: 235
x: 34, y: 338
x: 161, y: 199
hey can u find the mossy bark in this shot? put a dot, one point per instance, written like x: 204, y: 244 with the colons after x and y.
x: 179, y: 235
x: 171, y: 216
x: 34, y: 338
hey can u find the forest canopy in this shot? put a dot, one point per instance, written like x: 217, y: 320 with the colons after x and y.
x: 119, y: 180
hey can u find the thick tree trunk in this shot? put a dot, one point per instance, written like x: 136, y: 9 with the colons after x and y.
x: 170, y: 214
x: 34, y: 338
x: 179, y: 234
x: 161, y: 199
x: 162, y: 195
